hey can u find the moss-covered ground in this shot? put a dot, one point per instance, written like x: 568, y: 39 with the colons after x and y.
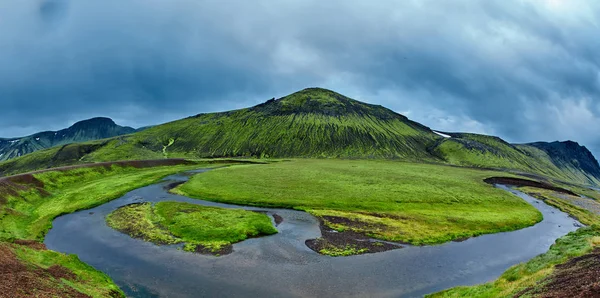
x: 529, y: 279
x: 201, y: 228
x: 29, y: 213
x: 29, y: 203
x: 65, y: 275
x: 397, y: 201
x: 533, y: 272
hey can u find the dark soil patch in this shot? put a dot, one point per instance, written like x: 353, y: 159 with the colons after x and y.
x: 577, y: 278
x: 21, y: 280
x: 225, y: 250
x: 278, y: 219
x: 11, y: 186
x: 58, y: 271
x: 26, y: 179
x: 114, y: 294
x: 525, y: 182
x: 352, y: 223
x: 173, y: 185
x: 341, y: 240
x: 31, y: 244
x: 461, y: 239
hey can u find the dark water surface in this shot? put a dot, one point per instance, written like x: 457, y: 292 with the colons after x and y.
x: 282, y: 266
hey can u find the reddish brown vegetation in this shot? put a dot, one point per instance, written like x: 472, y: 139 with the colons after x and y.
x: 21, y: 280
x: 31, y: 244
x: 12, y: 185
x: 577, y: 278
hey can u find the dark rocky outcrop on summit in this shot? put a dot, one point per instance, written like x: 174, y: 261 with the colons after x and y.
x: 570, y: 154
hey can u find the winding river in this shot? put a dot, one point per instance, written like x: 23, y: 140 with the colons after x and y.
x: 282, y: 266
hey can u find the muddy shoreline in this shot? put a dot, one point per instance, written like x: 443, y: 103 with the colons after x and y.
x: 339, y: 240
x: 525, y: 182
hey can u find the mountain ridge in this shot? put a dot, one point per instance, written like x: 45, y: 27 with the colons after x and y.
x: 320, y: 123
x: 81, y: 131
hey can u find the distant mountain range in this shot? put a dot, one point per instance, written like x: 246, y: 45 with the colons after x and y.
x: 87, y: 130
x: 320, y: 123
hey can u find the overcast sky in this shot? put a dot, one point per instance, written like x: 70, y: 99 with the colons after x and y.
x: 522, y: 70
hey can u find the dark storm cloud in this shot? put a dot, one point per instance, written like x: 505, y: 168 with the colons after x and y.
x: 524, y: 70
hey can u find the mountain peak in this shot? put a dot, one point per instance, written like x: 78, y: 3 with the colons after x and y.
x: 96, y: 121
x: 572, y: 154
x: 323, y: 102
x: 82, y: 131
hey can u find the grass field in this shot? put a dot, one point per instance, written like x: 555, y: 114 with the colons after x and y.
x: 76, y: 275
x: 29, y: 214
x: 531, y: 273
x: 414, y: 203
x: 29, y: 203
x: 201, y: 228
x: 541, y: 270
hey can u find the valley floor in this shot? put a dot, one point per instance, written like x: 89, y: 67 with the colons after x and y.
x: 388, y: 200
x: 29, y: 203
x: 394, y: 201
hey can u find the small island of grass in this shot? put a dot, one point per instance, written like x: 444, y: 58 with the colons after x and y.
x: 208, y: 230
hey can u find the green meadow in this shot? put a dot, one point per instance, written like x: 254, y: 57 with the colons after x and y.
x: 531, y: 274
x: 390, y: 200
x: 29, y: 214
x: 397, y: 201
x: 534, y: 273
x: 201, y: 228
x: 28, y: 205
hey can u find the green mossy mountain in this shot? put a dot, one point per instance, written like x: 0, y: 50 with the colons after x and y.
x: 310, y: 123
x: 87, y: 130
x: 567, y: 160
x: 319, y: 123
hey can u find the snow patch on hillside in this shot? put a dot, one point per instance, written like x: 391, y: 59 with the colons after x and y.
x: 441, y: 134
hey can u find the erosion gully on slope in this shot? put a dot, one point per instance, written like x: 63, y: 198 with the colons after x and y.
x: 282, y: 265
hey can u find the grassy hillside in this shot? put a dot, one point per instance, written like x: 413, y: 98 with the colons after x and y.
x: 476, y: 150
x: 319, y: 123
x: 29, y: 203
x: 92, y: 129
x: 407, y: 202
x: 528, y: 279
x: 309, y: 123
x: 568, y: 269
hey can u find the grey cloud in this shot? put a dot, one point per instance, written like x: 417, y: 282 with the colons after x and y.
x: 524, y: 70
